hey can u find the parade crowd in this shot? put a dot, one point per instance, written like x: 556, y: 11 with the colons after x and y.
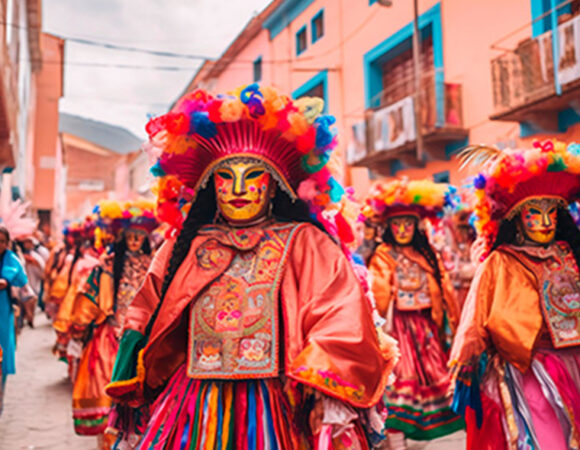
x: 256, y: 303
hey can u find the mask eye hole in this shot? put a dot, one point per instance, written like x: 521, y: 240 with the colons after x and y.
x: 552, y: 211
x: 535, y: 211
x: 225, y: 175
x: 254, y: 174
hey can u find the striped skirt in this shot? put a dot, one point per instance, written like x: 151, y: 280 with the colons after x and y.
x: 208, y: 414
x: 91, y: 405
x: 418, y: 402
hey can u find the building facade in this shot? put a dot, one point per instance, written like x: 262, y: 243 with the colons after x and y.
x: 44, y: 172
x: 20, y: 55
x: 490, y: 72
x: 98, y: 160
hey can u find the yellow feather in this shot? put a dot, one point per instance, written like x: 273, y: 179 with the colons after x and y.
x: 476, y: 155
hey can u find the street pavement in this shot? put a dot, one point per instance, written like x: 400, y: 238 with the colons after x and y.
x: 37, y: 404
x: 37, y: 407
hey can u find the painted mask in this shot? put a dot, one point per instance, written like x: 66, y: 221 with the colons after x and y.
x: 539, y: 218
x: 243, y: 191
x: 134, y: 239
x: 403, y: 229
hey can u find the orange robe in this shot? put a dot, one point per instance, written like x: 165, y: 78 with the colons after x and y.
x: 417, y: 311
x: 384, y: 285
x: 94, y: 304
x: 503, y: 317
x: 503, y: 308
x: 329, y: 339
x: 58, y: 286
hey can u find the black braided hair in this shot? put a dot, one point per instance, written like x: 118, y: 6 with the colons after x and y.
x: 566, y: 230
x: 420, y: 243
x: 202, y: 212
x: 284, y: 209
x: 120, y: 251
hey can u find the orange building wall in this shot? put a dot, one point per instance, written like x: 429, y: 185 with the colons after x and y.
x: 87, y: 164
x: 49, y: 81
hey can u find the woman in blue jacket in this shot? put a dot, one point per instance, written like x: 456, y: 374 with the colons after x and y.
x: 12, y: 274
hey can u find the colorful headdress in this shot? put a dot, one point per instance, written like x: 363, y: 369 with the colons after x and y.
x: 116, y: 216
x: 13, y: 218
x: 81, y: 229
x: 510, y: 177
x: 290, y: 137
x: 423, y: 198
x: 13, y: 213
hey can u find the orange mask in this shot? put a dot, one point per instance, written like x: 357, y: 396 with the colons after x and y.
x: 403, y: 229
x: 243, y: 191
x: 539, y: 219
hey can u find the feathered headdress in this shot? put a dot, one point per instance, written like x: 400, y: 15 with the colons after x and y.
x: 81, y: 229
x: 115, y: 215
x: 423, y: 198
x: 509, y: 177
x: 290, y: 137
x: 13, y: 214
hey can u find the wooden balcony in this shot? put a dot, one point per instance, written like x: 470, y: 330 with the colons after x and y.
x: 524, y: 79
x: 390, y: 132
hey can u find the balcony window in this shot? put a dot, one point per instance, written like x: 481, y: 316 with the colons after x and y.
x: 399, y: 79
x: 301, y: 40
x: 529, y: 86
x: 258, y: 69
x: 541, y: 17
x: 318, y: 26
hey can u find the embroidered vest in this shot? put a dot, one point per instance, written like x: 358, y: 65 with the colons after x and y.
x: 234, y: 324
x: 559, y: 284
x: 411, y: 283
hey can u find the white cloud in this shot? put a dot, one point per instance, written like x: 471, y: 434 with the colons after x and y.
x: 125, y: 96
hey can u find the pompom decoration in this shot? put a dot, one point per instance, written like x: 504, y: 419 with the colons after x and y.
x: 423, y: 198
x: 291, y: 137
x: 115, y: 216
x: 551, y: 168
x: 82, y: 229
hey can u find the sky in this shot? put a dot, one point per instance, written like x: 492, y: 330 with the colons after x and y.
x: 127, y: 96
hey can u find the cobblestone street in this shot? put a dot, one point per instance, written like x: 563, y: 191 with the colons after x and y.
x: 37, y: 411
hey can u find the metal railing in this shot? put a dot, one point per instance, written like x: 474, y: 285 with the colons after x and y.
x: 392, y: 125
x: 524, y: 72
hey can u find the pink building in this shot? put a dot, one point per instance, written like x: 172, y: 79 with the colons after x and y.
x: 99, y: 161
x: 490, y: 72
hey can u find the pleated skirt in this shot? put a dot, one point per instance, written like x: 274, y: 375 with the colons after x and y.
x: 418, y: 402
x: 91, y: 405
x: 209, y: 414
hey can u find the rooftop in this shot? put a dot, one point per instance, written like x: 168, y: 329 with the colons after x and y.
x: 112, y: 137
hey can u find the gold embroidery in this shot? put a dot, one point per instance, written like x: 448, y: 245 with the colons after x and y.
x: 234, y: 327
x: 412, y: 285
